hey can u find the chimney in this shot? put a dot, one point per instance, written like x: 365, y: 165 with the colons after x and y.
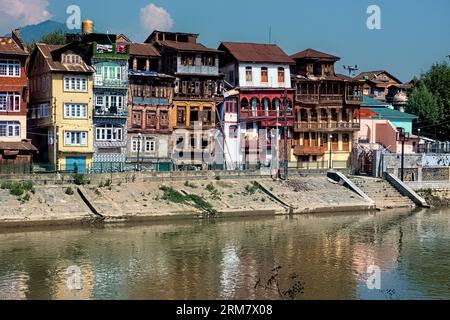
x: 87, y: 27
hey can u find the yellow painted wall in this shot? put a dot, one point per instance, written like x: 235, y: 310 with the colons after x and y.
x: 188, y: 104
x: 60, y: 97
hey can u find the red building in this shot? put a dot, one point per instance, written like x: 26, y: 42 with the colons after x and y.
x: 15, y: 149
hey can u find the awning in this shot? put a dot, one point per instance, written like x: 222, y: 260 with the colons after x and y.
x: 21, y: 146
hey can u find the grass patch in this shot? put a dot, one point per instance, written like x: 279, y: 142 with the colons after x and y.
x: 18, y: 188
x: 69, y: 191
x: 215, y: 194
x: 251, y: 189
x: 79, y: 179
x: 172, y: 195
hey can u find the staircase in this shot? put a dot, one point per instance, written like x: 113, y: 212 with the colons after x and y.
x: 383, y: 193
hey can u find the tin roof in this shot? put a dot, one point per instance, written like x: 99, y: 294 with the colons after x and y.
x: 187, y: 46
x: 21, y: 145
x: 143, y: 49
x: 48, y: 52
x: 314, y: 54
x: 256, y: 52
x: 9, y: 46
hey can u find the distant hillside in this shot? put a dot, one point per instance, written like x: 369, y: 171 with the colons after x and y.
x: 36, y: 31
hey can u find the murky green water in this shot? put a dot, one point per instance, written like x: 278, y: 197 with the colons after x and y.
x: 233, y: 259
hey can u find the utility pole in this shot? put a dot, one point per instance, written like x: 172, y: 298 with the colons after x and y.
x: 286, y: 151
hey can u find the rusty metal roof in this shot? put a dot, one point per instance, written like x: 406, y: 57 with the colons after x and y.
x: 187, y: 46
x: 21, y: 145
x: 143, y: 49
x: 314, y: 54
x: 57, y: 66
x: 256, y: 52
x: 9, y: 46
x: 372, y: 75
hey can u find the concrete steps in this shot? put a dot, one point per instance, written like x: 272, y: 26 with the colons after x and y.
x: 383, y: 193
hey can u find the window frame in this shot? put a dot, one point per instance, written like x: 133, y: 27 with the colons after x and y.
x: 12, y: 129
x: 75, y: 111
x: 11, y: 67
x: 75, y: 84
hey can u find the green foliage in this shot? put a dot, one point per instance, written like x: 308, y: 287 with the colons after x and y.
x: 57, y: 37
x: 79, y: 179
x: 215, y: 194
x: 251, y: 189
x: 18, y: 188
x: 197, y: 202
x: 69, y: 191
x: 430, y: 100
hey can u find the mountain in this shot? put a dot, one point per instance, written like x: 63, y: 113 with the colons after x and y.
x: 36, y: 31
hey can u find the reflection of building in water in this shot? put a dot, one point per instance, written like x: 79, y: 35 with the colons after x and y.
x: 65, y: 286
x: 14, y: 286
x: 230, y: 272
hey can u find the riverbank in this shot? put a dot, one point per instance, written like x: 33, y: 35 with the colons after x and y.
x: 160, y: 200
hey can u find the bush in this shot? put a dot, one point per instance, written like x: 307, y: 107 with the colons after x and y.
x: 6, y: 185
x: 69, y: 191
x: 27, y: 185
x: 79, y: 179
x: 16, y: 189
x: 26, y: 197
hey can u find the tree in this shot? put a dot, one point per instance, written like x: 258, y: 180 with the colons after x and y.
x: 430, y: 100
x: 57, y: 38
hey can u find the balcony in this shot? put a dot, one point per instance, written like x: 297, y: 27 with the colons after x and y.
x: 309, y: 150
x: 326, y: 126
x: 100, y: 82
x: 261, y: 115
x: 198, y: 69
x: 111, y: 112
x: 354, y: 99
x: 307, y: 98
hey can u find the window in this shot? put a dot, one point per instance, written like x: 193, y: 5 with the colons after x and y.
x: 76, y: 138
x: 188, y: 59
x: 110, y: 101
x: 230, y: 106
x: 264, y: 75
x: 75, y: 84
x: 207, y: 115
x: 248, y: 74
x: 137, y: 116
x: 281, y: 75
x: 10, y: 68
x: 150, y: 145
x: 71, y: 59
x: 108, y: 132
x: 136, y: 144
x: 233, y: 132
x: 9, y: 129
x: 181, y: 115
x: 208, y: 60
x: 9, y: 101
x: 75, y: 111
x: 151, y: 119
x: 194, y: 115
x: 42, y: 110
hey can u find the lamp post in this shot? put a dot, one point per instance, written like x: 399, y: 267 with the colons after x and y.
x: 418, y: 134
x: 331, y: 147
x: 402, y: 136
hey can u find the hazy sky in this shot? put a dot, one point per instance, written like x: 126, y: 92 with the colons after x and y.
x: 413, y: 35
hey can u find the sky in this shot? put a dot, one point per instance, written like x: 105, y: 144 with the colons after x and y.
x: 414, y: 34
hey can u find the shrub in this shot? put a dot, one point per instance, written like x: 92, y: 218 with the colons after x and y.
x: 69, y: 191
x: 6, y: 185
x: 108, y: 183
x: 16, y: 189
x: 26, y: 197
x: 27, y: 185
x: 79, y: 179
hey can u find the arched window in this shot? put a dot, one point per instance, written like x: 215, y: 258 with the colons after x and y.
x: 303, y: 115
x: 314, y: 115
x: 244, y: 104
x: 254, y: 103
x: 288, y: 104
x: 276, y: 104
x: 266, y: 103
x: 323, y: 115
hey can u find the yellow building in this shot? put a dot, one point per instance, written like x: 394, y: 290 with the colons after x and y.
x: 61, y: 114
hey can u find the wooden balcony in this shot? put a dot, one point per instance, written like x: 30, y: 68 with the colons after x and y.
x: 265, y: 115
x: 316, y: 98
x: 354, y: 99
x: 309, y: 150
x: 326, y: 126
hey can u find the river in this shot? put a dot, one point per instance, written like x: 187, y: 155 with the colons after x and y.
x: 327, y: 256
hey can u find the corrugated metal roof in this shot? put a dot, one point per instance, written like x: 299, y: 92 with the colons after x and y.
x: 389, y: 114
x: 313, y: 54
x: 22, y: 145
x: 256, y: 52
x: 187, y: 46
x: 143, y: 49
x: 9, y: 46
x: 47, y: 50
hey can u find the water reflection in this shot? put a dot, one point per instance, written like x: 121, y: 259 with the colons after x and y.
x: 225, y: 259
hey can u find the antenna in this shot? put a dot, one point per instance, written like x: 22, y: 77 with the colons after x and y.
x: 351, y: 69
